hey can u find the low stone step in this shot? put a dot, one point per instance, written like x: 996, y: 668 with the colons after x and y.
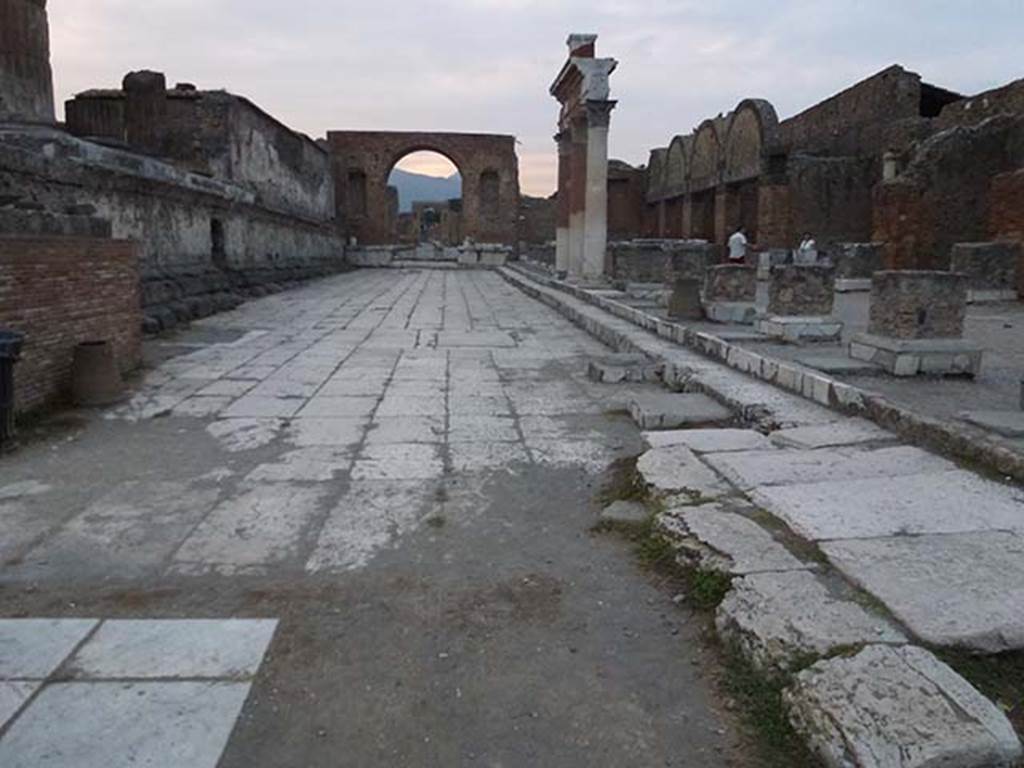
x: 900, y: 707
x: 710, y: 440
x: 666, y: 410
x: 677, y: 470
x: 614, y: 369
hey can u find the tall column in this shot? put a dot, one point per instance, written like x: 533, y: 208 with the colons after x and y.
x: 577, y: 197
x: 595, y: 225
x: 562, y: 257
x: 26, y: 81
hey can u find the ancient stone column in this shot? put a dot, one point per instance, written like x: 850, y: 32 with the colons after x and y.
x: 595, y: 224
x: 26, y: 80
x: 145, y: 111
x: 562, y: 222
x: 577, y: 197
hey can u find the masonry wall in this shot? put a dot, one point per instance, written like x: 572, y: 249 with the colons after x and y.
x: 1006, y: 214
x: 536, y: 220
x: 60, y: 291
x: 943, y: 197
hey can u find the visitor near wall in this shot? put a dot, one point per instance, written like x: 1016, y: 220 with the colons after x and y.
x: 738, y: 247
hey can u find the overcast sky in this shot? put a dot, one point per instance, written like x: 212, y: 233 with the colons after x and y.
x: 486, y: 65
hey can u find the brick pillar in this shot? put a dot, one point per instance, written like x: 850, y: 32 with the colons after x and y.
x: 577, y: 196
x: 145, y: 111
x: 562, y: 259
x: 721, y: 214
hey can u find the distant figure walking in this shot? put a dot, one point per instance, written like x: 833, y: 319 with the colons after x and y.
x: 807, y: 253
x: 738, y: 247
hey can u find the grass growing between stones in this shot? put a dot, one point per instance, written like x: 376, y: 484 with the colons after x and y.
x: 754, y: 698
x: 624, y: 484
x: 1000, y: 678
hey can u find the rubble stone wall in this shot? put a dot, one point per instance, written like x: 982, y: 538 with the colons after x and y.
x: 801, y: 290
x: 917, y: 304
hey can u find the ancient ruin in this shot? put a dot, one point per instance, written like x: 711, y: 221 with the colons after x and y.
x: 295, y: 469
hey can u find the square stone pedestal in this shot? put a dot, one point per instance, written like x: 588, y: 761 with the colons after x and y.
x: 910, y: 357
x: 796, y: 328
x: 740, y: 312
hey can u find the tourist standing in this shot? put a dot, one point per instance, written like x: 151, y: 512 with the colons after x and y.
x: 738, y: 247
x: 807, y: 253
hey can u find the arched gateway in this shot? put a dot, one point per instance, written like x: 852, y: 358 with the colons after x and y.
x: 363, y: 160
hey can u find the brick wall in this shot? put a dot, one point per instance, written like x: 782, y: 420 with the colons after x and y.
x: 60, y: 291
x: 1006, y: 213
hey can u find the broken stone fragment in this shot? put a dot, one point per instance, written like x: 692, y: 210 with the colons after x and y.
x: 676, y: 469
x: 779, y: 619
x: 625, y: 513
x: 889, y: 707
x: 716, y: 539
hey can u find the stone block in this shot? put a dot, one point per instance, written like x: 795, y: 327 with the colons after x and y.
x: 730, y: 283
x: 958, y: 590
x: 727, y: 542
x: 845, y: 432
x: 749, y: 469
x: 910, y: 357
x: 932, y: 502
x: 615, y: 369
x: 801, y: 290
x: 799, y: 328
x: 677, y: 470
x: 853, y: 285
x: 903, y: 707
x: 839, y: 366
x: 710, y: 440
x: 671, y: 411
x: 684, y: 301
x: 625, y: 513
x: 918, y: 304
x: 739, y: 313
x: 778, y: 619
x: 991, y: 269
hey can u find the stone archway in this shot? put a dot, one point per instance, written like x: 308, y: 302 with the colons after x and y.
x: 362, y: 162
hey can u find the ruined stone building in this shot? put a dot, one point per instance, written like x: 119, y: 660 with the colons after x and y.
x: 891, y: 159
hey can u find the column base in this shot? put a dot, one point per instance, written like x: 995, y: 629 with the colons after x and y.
x: 910, y: 357
x: 797, y: 328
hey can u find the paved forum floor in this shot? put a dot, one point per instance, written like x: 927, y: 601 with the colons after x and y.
x: 400, y: 469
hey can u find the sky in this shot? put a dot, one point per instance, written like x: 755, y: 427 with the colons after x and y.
x: 486, y: 65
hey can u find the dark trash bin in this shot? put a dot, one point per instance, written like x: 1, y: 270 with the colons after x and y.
x: 10, y: 351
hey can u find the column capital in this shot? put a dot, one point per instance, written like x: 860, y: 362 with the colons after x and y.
x: 599, y: 113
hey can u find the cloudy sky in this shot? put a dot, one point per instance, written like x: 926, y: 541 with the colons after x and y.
x: 486, y: 65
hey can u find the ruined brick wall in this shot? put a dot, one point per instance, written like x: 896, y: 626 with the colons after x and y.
x: 1006, y: 213
x: 61, y: 291
x: 1008, y: 99
x: 944, y: 195
x: 831, y: 198
x: 537, y: 219
x: 625, y: 201
x: 221, y: 135
x: 26, y: 81
x: 855, y: 121
x: 362, y: 162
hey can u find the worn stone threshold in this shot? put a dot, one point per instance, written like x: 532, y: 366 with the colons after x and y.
x: 959, y: 441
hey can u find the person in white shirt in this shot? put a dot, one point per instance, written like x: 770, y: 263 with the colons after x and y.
x: 807, y: 253
x: 738, y: 247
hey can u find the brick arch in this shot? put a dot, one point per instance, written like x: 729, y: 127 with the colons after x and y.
x: 752, y: 127
x: 677, y: 170
x: 375, y: 154
x: 705, y: 156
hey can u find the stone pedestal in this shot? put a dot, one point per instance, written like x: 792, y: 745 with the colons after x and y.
x: 684, y: 301
x: 855, y: 263
x: 730, y: 293
x: 991, y: 269
x: 916, y: 325
x: 800, y: 301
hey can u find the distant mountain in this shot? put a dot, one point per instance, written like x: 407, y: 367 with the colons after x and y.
x: 415, y: 187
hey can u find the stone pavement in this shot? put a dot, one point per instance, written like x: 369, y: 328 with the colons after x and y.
x: 937, y: 548
x: 400, y: 469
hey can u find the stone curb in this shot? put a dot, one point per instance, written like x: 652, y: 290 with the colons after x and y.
x: 962, y: 442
